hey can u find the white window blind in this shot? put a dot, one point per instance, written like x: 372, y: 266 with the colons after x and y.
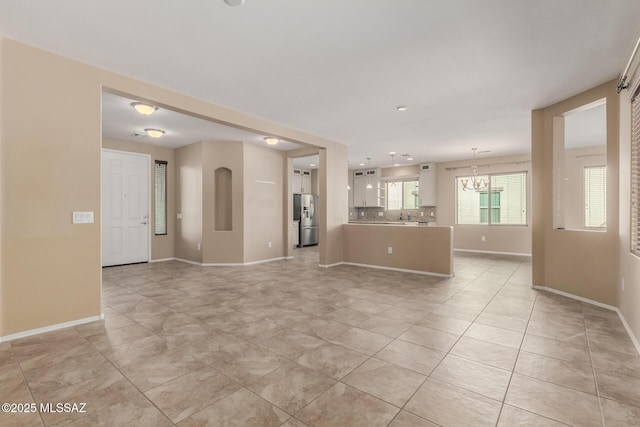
x: 635, y: 173
x: 160, y: 198
x: 595, y: 196
x: 502, y: 202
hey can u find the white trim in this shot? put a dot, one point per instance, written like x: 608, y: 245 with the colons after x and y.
x: 229, y: 264
x: 289, y: 257
x: 51, y: 328
x: 162, y: 260
x: 635, y: 341
x: 404, y: 270
x: 330, y: 265
x: 492, y: 252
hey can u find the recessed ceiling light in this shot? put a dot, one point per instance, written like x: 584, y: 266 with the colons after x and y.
x: 312, y: 164
x: 361, y: 164
x: 391, y: 153
x: 154, y: 133
x: 271, y: 140
x: 144, y: 109
x: 401, y: 108
x: 234, y: 2
x: 409, y: 158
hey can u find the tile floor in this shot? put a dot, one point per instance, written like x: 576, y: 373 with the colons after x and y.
x: 288, y: 343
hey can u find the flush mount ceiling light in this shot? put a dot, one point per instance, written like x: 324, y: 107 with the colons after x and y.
x: 154, y: 133
x: 271, y: 140
x: 401, y: 108
x: 312, y: 165
x: 144, y: 109
x: 234, y: 2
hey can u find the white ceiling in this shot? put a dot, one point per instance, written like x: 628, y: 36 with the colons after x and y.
x: 121, y: 121
x: 469, y: 71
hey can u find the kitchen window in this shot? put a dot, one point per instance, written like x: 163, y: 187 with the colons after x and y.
x: 501, y: 200
x: 401, y: 195
x: 160, y: 198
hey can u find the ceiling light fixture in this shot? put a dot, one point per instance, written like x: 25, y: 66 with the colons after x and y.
x: 369, y: 186
x: 401, y: 108
x: 144, y: 109
x: 234, y: 2
x: 271, y: 140
x: 477, y: 183
x: 154, y: 133
x: 312, y: 165
x: 393, y: 181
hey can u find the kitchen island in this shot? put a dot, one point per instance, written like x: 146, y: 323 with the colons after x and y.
x: 403, y: 247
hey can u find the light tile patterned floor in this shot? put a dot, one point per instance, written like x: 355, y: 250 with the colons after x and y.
x: 289, y: 343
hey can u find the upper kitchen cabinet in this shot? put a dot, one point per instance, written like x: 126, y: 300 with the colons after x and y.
x: 366, y: 188
x: 301, y: 182
x: 427, y: 184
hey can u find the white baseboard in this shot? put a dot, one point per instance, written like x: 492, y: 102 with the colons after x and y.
x: 403, y: 270
x: 491, y: 252
x: 51, y: 328
x: 162, y: 260
x: 231, y: 264
x: 330, y: 265
x: 635, y: 341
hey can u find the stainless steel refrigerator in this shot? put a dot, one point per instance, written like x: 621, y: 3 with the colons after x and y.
x: 304, y: 210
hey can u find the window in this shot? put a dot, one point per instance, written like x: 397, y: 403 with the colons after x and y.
x: 402, y: 195
x: 161, y: 198
x: 635, y: 174
x: 503, y: 201
x: 595, y: 196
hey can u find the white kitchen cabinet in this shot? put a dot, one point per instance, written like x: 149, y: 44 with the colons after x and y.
x: 427, y: 189
x: 301, y: 181
x: 306, y: 181
x: 295, y: 233
x: 367, y: 197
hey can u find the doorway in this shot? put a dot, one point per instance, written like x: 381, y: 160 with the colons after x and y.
x: 125, y: 208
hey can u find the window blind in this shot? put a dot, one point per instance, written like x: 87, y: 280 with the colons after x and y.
x: 635, y: 173
x: 595, y: 196
x: 160, y: 198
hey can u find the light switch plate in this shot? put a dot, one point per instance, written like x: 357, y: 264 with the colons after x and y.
x: 83, y: 217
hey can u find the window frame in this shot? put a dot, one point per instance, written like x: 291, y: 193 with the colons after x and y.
x: 158, y: 163
x: 489, y: 191
x: 401, y: 182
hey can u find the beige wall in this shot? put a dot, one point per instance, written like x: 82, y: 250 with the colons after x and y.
x: 222, y: 246
x: 263, y: 203
x: 51, y: 167
x: 51, y: 269
x: 427, y: 249
x: 189, y: 202
x: 629, y: 280
x: 582, y: 263
x: 161, y: 246
x: 498, y: 238
x: 333, y: 175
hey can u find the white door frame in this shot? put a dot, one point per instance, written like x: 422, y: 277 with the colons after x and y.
x: 149, y: 189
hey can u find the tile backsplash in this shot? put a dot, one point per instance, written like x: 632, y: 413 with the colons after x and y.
x: 373, y: 214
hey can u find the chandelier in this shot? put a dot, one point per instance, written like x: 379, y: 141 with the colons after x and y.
x: 477, y: 183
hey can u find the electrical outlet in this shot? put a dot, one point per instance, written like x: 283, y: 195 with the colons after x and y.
x: 198, y: 246
x: 389, y: 250
x: 362, y: 213
x: 421, y: 213
x: 484, y: 238
x: 269, y: 244
x: 179, y: 216
x: 350, y: 213
x: 380, y: 213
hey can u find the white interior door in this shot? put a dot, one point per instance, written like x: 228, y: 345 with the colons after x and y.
x: 125, y: 208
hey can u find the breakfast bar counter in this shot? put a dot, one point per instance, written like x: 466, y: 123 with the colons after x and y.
x: 417, y: 249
